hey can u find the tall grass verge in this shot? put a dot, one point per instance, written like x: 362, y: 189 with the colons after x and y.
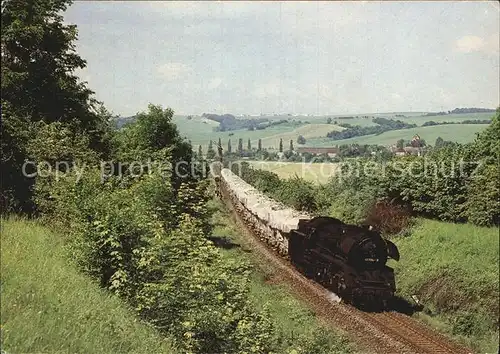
x: 49, y: 306
x: 453, y: 268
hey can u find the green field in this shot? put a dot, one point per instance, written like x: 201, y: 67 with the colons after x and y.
x: 454, y: 270
x: 200, y: 130
x: 448, y: 118
x: 462, y: 133
x: 201, y: 133
x: 315, y: 172
x: 48, y: 306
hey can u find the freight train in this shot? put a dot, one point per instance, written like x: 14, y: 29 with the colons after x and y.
x: 349, y: 260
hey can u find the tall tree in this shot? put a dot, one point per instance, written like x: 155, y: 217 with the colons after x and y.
x: 291, y: 145
x: 281, y: 145
x: 38, y: 65
x: 229, y: 146
x: 200, y: 151
x: 210, y: 150
x: 259, y: 145
x: 38, y: 84
x: 240, y: 145
x: 249, y: 145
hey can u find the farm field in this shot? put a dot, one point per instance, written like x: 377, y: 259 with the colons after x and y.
x: 314, y: 172
x: 307, y: 131
x: 200, y: 130
x: 448, y: 118
x: 461, y: 133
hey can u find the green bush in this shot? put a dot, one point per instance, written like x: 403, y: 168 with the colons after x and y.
x: 483, y: 197
x: 202, y: 298
x: 297, y: 193
x: 151, y: 248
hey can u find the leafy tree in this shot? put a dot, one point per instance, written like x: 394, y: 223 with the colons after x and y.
x: 259, y: 146
x: 328, y: 120
x: 281, y: 145
x: 38, y: 84
x: 487, y: 142
x: 383, y: 125
x: 210, y: 150
x: 301, y: 140
x: 240, y: 145
x: 439, y: 142
x: 400, y: 144
x: 483, y: 197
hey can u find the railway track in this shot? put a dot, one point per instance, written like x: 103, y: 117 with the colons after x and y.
x: 383, y: 332
x: 421, y: 338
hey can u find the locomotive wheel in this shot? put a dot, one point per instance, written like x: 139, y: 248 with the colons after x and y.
x: 339, y: 287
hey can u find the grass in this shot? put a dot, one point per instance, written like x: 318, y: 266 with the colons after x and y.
x: 49, y: 306
x: 461, y: 133
x: 315, y: 172
x: 200, y: 130
x: 201, y: 133
x: 290, y: 315
x: 307, y: 131
x: 453, y: 268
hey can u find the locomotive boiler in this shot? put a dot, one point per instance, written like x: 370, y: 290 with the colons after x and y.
x: 349, y: 260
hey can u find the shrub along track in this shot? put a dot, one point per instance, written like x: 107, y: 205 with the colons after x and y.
x: 385, y: 332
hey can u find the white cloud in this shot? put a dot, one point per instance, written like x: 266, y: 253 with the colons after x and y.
x: 173, y: 71
x: 468, y: 44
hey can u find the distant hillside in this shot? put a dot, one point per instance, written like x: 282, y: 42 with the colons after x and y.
x: 121, y: 121
x: 228, y: 122
x: 462, y: 111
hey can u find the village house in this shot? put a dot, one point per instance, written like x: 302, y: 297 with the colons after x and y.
x: 330, y: 151
x: 416, y: 148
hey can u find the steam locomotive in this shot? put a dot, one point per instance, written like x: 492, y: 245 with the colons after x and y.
x: 349, y: 260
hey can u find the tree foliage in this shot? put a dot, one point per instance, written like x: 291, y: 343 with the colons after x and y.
x: 301, y: 140
x: 39, y: 84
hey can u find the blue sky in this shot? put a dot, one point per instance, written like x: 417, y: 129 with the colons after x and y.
x: 289, y: 57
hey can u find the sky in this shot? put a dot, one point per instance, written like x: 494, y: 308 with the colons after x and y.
x: 315, y: 58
